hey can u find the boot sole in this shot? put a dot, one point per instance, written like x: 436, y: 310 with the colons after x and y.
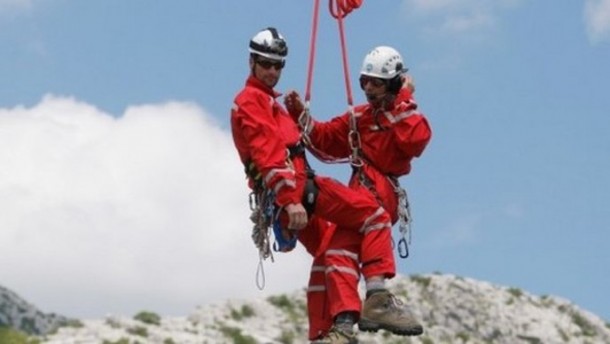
x: 371, y: 326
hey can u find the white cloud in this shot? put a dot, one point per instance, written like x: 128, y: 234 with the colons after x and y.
x: 462, y: 231
x: 514, y: 211
x: 597, y: 20
x: 451, y: 17
x: 14, y: 4
x: 468, y: 22
x: 114, y: 215
x: 432, y: 5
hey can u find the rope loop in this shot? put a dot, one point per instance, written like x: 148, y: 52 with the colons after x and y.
x: 260, y: 275
x: 335, y: 9
x: 341, y: 8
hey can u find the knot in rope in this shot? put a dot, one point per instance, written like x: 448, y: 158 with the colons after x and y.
x: 341, y: 8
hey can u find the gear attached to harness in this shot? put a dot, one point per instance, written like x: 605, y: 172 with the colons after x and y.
x: 266, y: 214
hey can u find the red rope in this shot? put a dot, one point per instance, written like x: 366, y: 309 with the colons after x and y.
x: 338, y: 11
x: 347, y: 6
x: 339, y: 14
x: 312, y: 50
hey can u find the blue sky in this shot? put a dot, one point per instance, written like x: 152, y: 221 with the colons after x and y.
x: 118, y: 167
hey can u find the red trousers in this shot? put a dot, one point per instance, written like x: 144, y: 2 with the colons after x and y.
x: 349, y: 234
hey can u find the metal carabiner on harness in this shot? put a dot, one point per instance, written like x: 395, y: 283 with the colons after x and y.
x: 354, y: 141
x: 404, y: 221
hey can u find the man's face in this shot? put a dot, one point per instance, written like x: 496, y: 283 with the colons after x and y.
x: 374, y: 88
x: 266, y: 70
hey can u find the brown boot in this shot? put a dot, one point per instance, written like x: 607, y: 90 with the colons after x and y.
x: 337, y: 335
x: 382, y: 310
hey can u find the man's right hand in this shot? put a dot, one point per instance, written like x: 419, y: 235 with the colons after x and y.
x: 408, y: 83
x: 294, y: 105
x: 297, y: 216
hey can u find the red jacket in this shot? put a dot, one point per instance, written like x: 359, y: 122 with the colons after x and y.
x: 389, y: 141
x: 262, y: 132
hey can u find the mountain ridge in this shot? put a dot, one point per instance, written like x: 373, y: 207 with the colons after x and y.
x: 453, y: 309
x: 17, y: 313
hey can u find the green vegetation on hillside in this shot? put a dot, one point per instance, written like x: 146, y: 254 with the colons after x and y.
x: 10, y: 336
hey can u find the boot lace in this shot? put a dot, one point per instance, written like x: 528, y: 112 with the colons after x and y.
x: 395, y: 305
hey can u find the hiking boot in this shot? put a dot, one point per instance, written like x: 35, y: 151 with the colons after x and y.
x: 338, y: 335
x: 382, y: 310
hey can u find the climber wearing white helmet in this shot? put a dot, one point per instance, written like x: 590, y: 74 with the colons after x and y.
x: 379, y: 138
x: 383, y: 66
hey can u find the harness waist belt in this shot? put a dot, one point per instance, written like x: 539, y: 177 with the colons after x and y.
x: 295, y: 150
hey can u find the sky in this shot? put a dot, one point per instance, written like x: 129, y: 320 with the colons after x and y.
x: 121, y: 190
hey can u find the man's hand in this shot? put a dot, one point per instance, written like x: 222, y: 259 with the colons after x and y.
x: 296, y: 108
x: 408, y: 83
x: 294, y: 105
x: 297, y: 216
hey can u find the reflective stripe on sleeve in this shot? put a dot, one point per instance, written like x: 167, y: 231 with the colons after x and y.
x: 397, y: 118
x: 367, y: 222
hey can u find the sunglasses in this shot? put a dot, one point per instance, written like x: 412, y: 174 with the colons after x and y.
x: 266, y: 64
x: 376, y: 82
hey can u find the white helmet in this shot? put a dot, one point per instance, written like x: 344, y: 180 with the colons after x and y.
x: 383, y: 62
x: 270, y: 44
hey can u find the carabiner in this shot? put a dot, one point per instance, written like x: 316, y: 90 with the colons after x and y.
x: 403, y: 248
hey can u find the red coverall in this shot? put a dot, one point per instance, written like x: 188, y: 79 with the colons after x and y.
x: 262, y: 132
x: 389, y: 141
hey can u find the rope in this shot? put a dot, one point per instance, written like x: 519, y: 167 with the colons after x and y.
x: 312, y: 52
x: 338, y: 9
x: 338, y: 13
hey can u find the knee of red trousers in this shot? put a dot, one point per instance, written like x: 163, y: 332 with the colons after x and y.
x: 317, y: 235
x: 377, y: 255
